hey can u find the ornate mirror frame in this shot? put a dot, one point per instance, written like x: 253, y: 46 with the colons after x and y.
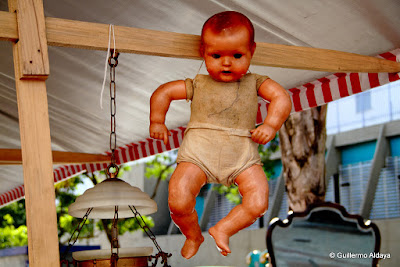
x: 326, y: 207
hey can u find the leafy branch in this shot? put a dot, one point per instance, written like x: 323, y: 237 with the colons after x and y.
x: 160, y: 167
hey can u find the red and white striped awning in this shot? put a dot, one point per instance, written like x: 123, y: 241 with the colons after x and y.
x: 316, y: 93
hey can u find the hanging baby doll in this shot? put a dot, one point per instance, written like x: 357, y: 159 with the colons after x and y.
x: 221, y: 141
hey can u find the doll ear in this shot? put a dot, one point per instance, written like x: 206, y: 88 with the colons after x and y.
x: 253, y: 48
x: 201, y: 49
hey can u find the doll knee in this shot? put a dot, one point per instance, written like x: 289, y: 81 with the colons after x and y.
x: 258, y: 207
x: 181, y: 206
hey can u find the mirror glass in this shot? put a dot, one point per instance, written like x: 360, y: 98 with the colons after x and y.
x: 324, y: 237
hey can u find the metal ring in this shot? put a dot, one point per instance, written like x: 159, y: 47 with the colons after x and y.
x: 114, y: 174
x: 112, y: 65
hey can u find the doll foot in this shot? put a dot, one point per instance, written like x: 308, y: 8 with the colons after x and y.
x: 191, y: 247
x: 221, y: 240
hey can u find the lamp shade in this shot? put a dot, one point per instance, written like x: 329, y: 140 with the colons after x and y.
x: 110, y: 193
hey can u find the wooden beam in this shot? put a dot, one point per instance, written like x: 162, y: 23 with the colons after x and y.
x: 37, y: 164
x: 87, y: 35
x: 8, y: 26
x: 297, y: 57
x: 33, y: 42
x: 14, y: 156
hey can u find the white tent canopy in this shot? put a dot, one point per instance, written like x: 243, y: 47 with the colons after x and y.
x: 77, y: 122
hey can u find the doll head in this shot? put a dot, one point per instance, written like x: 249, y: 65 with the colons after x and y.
x: 227, y: 45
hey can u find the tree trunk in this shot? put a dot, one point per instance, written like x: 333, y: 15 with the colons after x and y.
x: 302, y: 144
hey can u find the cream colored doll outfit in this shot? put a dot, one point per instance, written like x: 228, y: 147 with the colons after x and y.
x: 218, y: 138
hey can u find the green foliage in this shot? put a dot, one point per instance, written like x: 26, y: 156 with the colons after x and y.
x: 13, y: 230
x: 10, y: 236
x: 17, y: 211
x: 231, y: 193
x: 265, y: 154
x: 160, y: 167
x: 8, y: 219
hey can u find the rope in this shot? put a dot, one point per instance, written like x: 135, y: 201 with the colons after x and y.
x: 111, y: 29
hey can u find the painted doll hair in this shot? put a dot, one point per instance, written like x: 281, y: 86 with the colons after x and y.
x: 228, y: 19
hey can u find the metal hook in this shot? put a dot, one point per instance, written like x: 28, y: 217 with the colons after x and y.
x: 113, y: 56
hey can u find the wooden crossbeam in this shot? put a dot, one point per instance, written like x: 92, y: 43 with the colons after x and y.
x: 87, y: 35
x: 14, y: 157
x: 8, y: 26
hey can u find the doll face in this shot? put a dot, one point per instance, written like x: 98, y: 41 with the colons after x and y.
x: 228, y: 54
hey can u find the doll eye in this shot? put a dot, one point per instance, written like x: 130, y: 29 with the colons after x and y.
x: 237, y: 55
x: 216, y: 56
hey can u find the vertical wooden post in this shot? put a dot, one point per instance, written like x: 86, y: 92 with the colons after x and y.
x: 31, y: 71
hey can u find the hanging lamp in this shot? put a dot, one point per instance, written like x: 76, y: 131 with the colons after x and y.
x: 114, y: 199
x: 108, y: 194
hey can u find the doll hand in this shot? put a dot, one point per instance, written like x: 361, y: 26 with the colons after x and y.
x: 159, y: 131
x: 263, y: 134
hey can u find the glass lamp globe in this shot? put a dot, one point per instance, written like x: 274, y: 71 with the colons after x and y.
x: 104, y: 196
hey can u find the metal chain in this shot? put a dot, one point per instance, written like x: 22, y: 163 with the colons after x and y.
x: 114, y: 232
x: 113, y: 62
x: 79, y: 229
x: 161, y: 254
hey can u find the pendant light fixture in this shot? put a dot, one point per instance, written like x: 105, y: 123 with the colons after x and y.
x: 114, y: 199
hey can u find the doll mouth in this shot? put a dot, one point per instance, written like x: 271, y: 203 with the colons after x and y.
x: 226, y: 72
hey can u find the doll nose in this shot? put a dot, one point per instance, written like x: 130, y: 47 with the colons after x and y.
x: 226, y: 61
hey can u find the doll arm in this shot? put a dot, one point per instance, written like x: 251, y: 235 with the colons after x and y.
x: 278, y: 111
x: 159, y: 104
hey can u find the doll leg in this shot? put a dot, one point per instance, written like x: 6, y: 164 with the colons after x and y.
x: 184, y: 186
x: 253, y: 187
